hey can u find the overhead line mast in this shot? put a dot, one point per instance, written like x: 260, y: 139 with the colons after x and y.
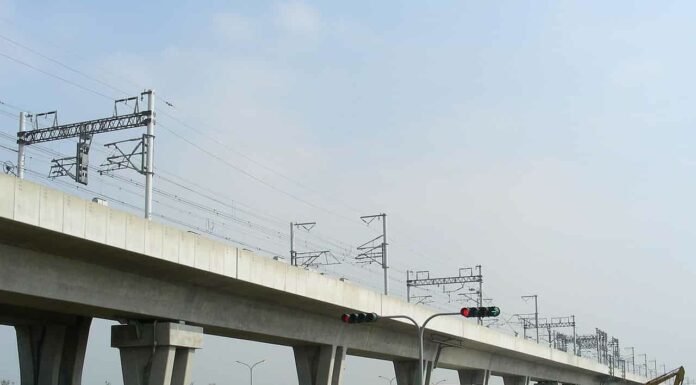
x: 77, y: 167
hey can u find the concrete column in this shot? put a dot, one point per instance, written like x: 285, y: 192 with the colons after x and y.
x: 158, y: 353
x: 515, y: 380
x: 320, y: 364
x: 407, y: 372
x: 52, y: 353
x: 474, y: 376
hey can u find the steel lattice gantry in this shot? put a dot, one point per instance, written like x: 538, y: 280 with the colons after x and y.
x: 87, y: 128
x: 77, y: 167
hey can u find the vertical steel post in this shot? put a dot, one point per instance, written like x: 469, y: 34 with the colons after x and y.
x: 20, y: 147
x: 150, y: 153
x: 408, y: 287
x: 480, y: 292
x: 292, y: 244
x: 536, y: 316
x: 575, y: 338
x: 384, y: 254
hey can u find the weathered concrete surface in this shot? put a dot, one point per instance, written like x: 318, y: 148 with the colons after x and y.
x: 473, y: 377
x: 320, y: 364
x: 51, y: 346
x: 98, y: 261
x: 156, y: 353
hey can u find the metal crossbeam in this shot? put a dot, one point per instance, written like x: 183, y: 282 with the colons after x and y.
x: 124, y: 159
x: 90, y: 127
x: 443, y: 281
x: 559, y: 322
x: 63, y: 167
x: 307, y: 259
x: 370, y: 251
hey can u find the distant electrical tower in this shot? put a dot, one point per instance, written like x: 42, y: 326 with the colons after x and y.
x: 536, y: 315
x: 615, y: 360
x: 77, y: 167
x: 596, y: 343
x: 552, y: 323
x: 465, y: 276
x: 375, y: 250
x: 308, y: 258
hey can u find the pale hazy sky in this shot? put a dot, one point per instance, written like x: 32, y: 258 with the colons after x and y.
x: 552, y: 142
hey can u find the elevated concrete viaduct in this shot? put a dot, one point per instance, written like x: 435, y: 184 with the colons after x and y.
x: 64, y: 260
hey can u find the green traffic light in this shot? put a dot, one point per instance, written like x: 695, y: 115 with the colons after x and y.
x: 493, y: 311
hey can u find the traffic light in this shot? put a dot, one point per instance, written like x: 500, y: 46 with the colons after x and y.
x: 480, y: 312
x: 356, y: 318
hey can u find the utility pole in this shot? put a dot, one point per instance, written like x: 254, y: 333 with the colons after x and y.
x: 251, y: 369
x: 150, y: 157
x: 372, y: 252
x: 305, y: 225
x: 536, y: 312
x: 654, y: 366
x: 575, y: 337
x: 20, y: 147
x: 633, y: 358
x: 645, y: 363
x: 308, y: 258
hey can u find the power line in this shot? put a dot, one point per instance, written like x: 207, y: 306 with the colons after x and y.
x: 55, y: 76
x: 62, y: 64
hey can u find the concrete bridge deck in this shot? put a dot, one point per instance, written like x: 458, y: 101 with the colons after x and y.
x: 66, y: 255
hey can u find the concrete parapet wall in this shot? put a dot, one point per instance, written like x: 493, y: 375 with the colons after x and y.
x: 52, y: 210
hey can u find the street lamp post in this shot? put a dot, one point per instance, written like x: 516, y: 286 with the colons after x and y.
x: 251, y: 369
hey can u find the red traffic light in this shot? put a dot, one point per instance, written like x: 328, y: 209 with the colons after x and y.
x: 480, y: 312
x: 355, y: 318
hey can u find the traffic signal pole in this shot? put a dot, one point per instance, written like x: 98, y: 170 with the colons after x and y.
x: 466, y: 312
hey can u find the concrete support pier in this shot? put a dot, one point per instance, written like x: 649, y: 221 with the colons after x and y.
x: 320, y: 364
x: 515, y: 380
x: 158, y: 353
x: 474, y: 376
x: 52, y: 351
x: 407, y: 372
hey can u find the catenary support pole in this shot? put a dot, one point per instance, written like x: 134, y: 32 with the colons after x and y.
x: 536, y: 316
x: 292, y: 244
x: 20, y: 147
x: 385, y: 266
x: 575, y: 337
x: 408, y: 287
x: 149, y: 138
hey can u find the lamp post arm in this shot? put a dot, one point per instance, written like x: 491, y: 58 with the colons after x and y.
x: 401, y: 317
x: 435, y: 316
